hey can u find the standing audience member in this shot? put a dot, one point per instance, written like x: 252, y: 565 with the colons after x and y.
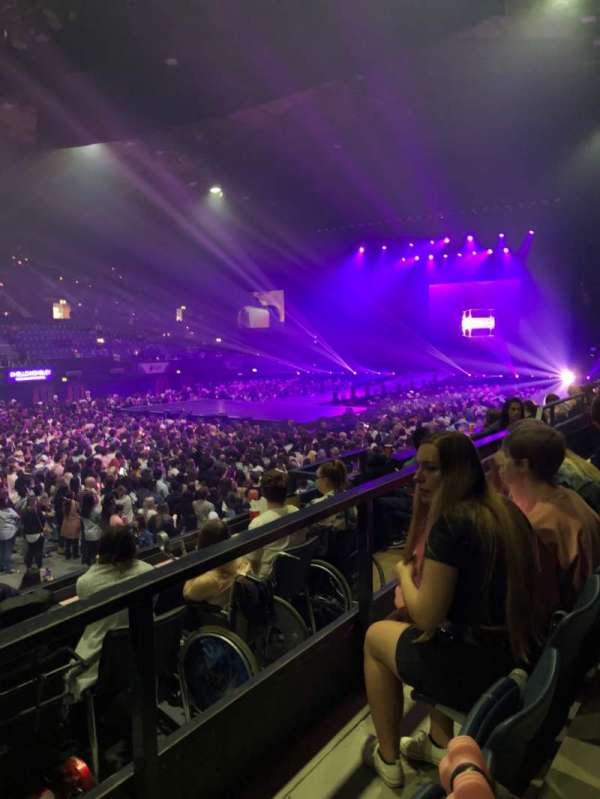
x: 92, y: 527
x: 71, y: 527
x: 33, y: 523
x: 9, y: 523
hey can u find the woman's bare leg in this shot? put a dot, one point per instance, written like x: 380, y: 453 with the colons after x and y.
x: 384, y: 687
x: 441, y: 728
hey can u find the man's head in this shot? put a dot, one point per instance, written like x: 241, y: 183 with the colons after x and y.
x: 274, y: 486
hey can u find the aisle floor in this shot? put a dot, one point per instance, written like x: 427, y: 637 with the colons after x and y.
x: 337, y: 772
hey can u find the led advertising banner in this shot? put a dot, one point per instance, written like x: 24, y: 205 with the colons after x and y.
x: 29, y: 375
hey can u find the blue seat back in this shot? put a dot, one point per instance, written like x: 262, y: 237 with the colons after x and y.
x: 500, y: 701
x: 510, y: 742
x: 429, y: 791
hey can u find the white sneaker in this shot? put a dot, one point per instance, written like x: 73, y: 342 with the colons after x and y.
x: 391, y: 773
x: 420, y: 747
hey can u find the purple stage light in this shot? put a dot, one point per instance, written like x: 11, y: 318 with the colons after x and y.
x: 431, y: 241
x: 403, y: 260
x: 361, y: 250
x: 459, y: 255
x: 430, y: 257
x: 446, y: 240
x: 490, y: 251
x: 470, y: 238
x: 411, y: 244
x: 384, y: 247
x: 445, y: 255
x: 532, y: 232
x: 567, y: 378
x: 417, y: 257
x: 506, y: 250
x: 474, y: 252
x: 501, y: 235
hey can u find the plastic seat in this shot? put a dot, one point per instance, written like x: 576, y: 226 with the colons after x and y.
x: 269, y: 624
x: 291, y: 569
x: 32, y: 732
x: 213, y: 663
x: 429, y: 790
x: 568, y: 637
x: 507, y: 748
x: 113, y: 689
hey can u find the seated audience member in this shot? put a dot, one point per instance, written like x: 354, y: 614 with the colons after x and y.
x: 215, y: 586
x: 531, y: 457
x: 274, y: 489
x: 582, y: 476
x: 474, y: 615
x: 332, y: 479
x: 512, y: 411
x: 116, y: 562
x: 91, y: 519
x: 530, y: 409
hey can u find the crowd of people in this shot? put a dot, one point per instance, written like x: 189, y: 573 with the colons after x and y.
x: 71, y: 470
x: 491, y: 549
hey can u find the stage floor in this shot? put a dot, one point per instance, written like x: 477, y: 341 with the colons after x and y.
x: 297, y: 409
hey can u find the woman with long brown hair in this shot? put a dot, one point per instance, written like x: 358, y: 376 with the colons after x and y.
x: 473, y: 617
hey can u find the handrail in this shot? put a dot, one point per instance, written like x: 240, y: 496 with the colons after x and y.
x: 110, y: 600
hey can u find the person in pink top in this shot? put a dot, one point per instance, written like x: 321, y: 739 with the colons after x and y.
x: 565, y: 524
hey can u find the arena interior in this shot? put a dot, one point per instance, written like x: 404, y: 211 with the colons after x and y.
x: 299, y: 399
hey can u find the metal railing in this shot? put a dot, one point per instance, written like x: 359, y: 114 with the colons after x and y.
x: 137, y: 596
x: 138, y: 593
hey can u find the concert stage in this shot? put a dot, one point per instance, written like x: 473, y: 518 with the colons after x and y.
x: 297, y: 409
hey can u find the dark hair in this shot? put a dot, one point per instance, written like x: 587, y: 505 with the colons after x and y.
x: 551, y: 398
x: 274, y: 486
x: 530, y: 407
x: 88, y: 500
x: 504, y: 418
x: 335, y: 472
x: 117, y: 545
x: 420, y: 434
x: 542, y: 446
x: 213, y: 532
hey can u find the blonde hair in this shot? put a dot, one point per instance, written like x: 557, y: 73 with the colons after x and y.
x: 584, y: 468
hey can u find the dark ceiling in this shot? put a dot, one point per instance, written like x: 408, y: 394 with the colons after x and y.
x: 126, y: 65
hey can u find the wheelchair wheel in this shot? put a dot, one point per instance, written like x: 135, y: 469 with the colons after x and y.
x: 213, y: 663
x: 378, y: 570
x: 285, y: 631
x: 330, y: 594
